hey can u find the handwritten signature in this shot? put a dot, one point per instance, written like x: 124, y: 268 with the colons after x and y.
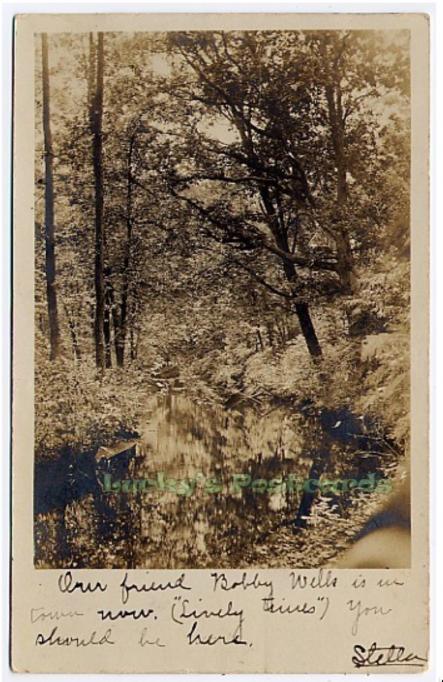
x: 392, y: 655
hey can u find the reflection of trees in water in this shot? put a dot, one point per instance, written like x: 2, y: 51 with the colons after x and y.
x: 204, y: 529
x: 181, y: 439
x: 163, y: 529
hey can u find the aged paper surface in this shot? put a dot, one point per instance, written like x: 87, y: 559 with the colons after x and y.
x: 220, y: 359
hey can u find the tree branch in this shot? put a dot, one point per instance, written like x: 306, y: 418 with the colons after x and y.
x: 261, y: 280
x: 259, y: 238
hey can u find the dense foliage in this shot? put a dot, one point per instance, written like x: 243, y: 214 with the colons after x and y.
x: 230, y: 218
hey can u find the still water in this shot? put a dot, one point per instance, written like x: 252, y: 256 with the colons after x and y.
x: 200, y: 506
x: 208, y: 487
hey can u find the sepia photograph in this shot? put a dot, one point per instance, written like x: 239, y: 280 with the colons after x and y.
x: 222, y: 299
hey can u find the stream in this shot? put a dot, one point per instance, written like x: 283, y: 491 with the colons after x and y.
x: 203, y: 489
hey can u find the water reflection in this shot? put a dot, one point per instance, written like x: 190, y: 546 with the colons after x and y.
x: 186, y: 442
x: 176, y: 520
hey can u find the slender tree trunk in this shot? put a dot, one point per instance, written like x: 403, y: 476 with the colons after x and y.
x: 108, y: 316
x: 122, y: 328
x: 132, y: 344
x: 342, y: 242
x: 345, y: 260
x: 116, y: 319
x: 107, y: 330
x: 91, y: 76
x: 120, y: 332
x: 51, y: 292
x: 301, y: 309
x: 304, y: 317
x: 97, y: 159
x: 73, y: 331
x: 134, y: 331
x: 308, y: 330
x: 336, y: 118
x: 75, y: 343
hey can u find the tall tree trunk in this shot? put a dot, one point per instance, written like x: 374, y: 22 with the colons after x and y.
x: 73, y: 331
x: 301, y: 309
x: 279, y: 233
x: 96, y: 117
x: 304, y: 316
x: 75, y: 343
x: 91, y: 76
x: 134, y: 331
x: 342, y: 242
x: 337, y: 119
x: 107, y: 330
x: 108, y: 316
x: 51, y: 292
x: 122, y: 327
x: 133, y: 343
x: 308, y: 330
